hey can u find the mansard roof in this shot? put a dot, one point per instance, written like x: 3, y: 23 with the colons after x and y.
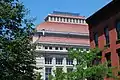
x: 63, y: 40
x: 63, y: 27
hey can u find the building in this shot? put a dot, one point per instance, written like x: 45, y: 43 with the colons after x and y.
x: 104, y: 29
x: 60, y: 31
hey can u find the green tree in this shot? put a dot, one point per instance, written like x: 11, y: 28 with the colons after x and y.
x: 59, y: 75
x: 89, y: 66
x: 38, y: 76
x: 17, y: 59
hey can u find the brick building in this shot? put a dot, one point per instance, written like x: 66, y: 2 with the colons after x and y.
x: 104, y: 29
x: 60, y: 31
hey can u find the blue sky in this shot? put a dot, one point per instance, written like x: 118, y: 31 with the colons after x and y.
x: 41, y: 8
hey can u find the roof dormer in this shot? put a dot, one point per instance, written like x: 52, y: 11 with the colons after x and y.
x: 65, y: 17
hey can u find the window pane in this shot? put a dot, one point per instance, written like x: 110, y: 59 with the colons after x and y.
x: 69, y: 62
x: 96, y: 39
x: 106, y: 32
x: 50, y: 47
x: 46, y: 47
x: 108, y: 58
x: 47, y: 73
x: 118, y: 30
x: 59, y: 60
x: 61, y: 48
x: 48, y: 60
x: 56, y: 48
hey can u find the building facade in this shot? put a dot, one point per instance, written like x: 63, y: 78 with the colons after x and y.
x: 59, y: 31
x: 104, y: 29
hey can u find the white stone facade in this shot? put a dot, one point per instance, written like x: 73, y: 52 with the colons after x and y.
x: 51, y: 52
x: 50, y: 57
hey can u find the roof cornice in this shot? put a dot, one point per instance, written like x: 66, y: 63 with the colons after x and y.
x: 104, y: 13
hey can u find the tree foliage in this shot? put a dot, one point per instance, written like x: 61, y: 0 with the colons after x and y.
x: 89, y: 66
x: 38, y: 76
x: 16, y: 51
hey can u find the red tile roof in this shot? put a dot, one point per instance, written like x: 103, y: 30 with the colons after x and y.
x: 64, y: 40
x: 63, y: 27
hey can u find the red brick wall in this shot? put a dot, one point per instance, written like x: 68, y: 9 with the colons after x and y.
x: 101, y: 39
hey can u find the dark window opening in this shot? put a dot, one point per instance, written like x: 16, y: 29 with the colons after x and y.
x: 46, y: 47
x: 47, y: 73
x: 108, y: 58
x: 66, y: 48
x: 118, y: 52
x: 61, y: 48
x: 60, y: 19
x: 96, y: 39
x: 64, y: 19
x: 97, y: 60
x: 118, y: 29
x: 59, y: 60
x: 69, y: 61
x: 70, y: 20
x: 57, y: 18
x: 50, y: 47
x: 48, y: 60
x: 106, y: 32
x: 56, y: 48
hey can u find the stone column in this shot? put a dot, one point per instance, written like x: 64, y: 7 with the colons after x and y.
x: 64, y: 65
x: 75, y: 20
x: 69, y: 20
x: 59, y: 19
x: 54, y: 67
x: 74, y: 64
x: 43, y: 67
x: 43, y: 73
x: 49, y: 18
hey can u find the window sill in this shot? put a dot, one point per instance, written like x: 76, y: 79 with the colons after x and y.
x: 118, y: 41
x: 107, y: 45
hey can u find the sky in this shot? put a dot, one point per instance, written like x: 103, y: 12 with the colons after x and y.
x: 41, y: 8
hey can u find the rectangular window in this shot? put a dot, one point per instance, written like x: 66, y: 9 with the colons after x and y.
x: 57, y: 18
x: 106, y: 32
x: 46, y: 47
x: 108, y: 58
x: 61, y: 48
x: 118, y: 29
x: 47, y: 73
x: 56, y: 48
x: 69, y: 62
x: 96, y: 39
x: 50, y: 47
x: 48, y: 60
x: 97, y: 60
x: 118, y: 51
x: 59, y: 60
x: 70, y: 20
x: 66, y: 48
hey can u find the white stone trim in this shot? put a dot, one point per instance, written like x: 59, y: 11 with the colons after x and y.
x: 68, y: 44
